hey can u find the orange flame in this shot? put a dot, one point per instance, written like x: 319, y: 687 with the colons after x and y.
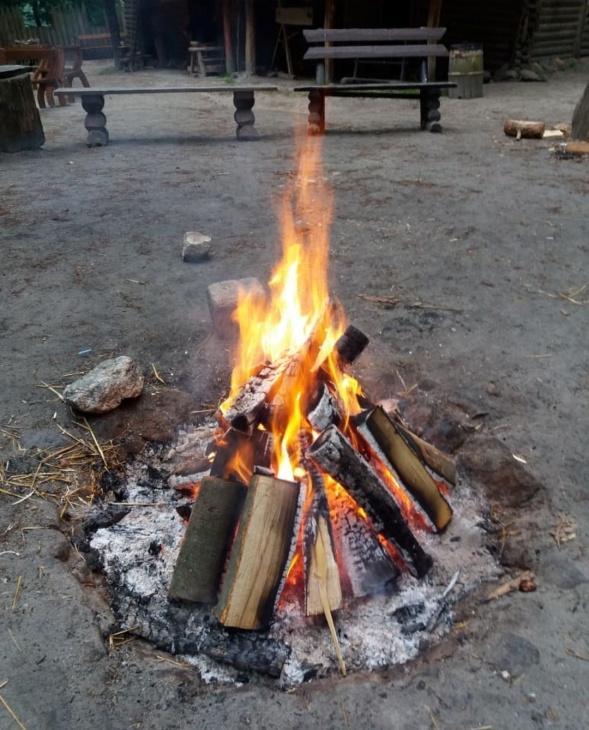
x: 298, y: 318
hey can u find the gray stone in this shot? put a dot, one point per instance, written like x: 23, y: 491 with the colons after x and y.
x: 106, y: 386
x: 528, y: 75
x: 197, y: 247
x: 223, y: 297
x: 514, y: 654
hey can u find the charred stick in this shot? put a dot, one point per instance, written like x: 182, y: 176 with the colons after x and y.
x: 335, y: 454
x: 324, y: 409
x: 254, y: 450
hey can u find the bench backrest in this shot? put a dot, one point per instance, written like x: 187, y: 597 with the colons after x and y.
x: 376, y: 43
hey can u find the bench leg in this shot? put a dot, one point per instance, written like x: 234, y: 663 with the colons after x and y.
x: 316, y: 120
x: 95, y: 121
x: 244, y: 116
x: 429, y: 103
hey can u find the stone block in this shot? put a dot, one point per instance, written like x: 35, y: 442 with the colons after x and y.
x: 223, y: 297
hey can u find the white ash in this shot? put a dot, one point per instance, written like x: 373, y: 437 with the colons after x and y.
x: 138, y: 555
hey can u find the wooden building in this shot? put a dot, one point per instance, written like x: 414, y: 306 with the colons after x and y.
x: 261, y: 35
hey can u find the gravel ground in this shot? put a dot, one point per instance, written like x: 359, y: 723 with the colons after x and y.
x: 483, y: 229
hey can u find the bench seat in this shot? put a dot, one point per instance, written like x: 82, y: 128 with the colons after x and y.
x: 93, y: 103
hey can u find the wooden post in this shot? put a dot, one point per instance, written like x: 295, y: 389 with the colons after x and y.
x: 20, y: 123
x: 95, y: 121
x: 433, y: 21
x: 227, y: 36
x: 244, y: 116
x: 250, y: 38
x: 328, y: 23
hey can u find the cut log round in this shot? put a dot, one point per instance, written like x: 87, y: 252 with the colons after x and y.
x: 20, y: 123
x: 523, y: 128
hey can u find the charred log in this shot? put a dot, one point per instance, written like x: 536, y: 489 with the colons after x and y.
x: 351, y: 345
x: 260, y: 554
x: 335, y: 455
x: 324, y: 409
x: 367, y: 569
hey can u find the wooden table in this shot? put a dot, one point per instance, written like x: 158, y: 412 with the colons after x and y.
x: 95, y: 122
x: 49, y: 73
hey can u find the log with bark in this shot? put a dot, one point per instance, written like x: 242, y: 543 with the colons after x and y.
x: 351, y: 345
x: 523, y: 128
x: 324, y: 409
x: 333, y: 453
x: 398, y: 451
x: 437, y: 460
x: 260, y: 554
x: 209, y: 532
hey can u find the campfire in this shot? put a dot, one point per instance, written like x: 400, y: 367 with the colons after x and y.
x: 316, y: 495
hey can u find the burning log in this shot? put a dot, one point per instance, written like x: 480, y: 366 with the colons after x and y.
x: 212, y: 523
x: 253, y: 451
x: 433, y: 457
x: 246, y: 408
x: 351, y: 345
x: 382, y: 434
x: 265, y: 540
x: 367, y: 568
x: 324, y: 410
x: 335, y: 455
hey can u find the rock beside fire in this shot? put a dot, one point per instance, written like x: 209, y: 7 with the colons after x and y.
x: 106, y: 386
x: 223, y: 297
x: 197, y: 247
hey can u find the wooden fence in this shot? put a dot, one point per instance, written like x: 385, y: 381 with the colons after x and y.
x: 66, y: 26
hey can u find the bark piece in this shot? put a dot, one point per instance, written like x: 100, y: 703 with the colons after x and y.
x: 524, y: 128
x: 260, y: 554
x: 201, y: 558
x: 106, y: 386
x: 403, y: 455
x: 335, y: 455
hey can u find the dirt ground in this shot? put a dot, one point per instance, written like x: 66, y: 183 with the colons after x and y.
x: 484, y: 230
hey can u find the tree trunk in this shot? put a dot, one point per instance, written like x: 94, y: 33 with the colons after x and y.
x: 112, y: 21
x: 20, y: 123
x: 581, y: 117
x: 250, y: 38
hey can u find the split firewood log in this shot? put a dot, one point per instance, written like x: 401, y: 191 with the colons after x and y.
x: 523, y: 128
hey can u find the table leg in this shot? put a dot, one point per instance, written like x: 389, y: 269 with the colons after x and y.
x: 244, y: 116
x: 429, y: 103
x: 316, y: 120
x: 95, y: 121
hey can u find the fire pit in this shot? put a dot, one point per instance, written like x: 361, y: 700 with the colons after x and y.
x: 312, y: 530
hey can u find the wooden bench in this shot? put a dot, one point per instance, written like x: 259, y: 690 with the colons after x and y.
x: 95, y: 122
x: 373, y: 44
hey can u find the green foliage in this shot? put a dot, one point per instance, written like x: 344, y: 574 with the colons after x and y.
x: 37, y: 13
